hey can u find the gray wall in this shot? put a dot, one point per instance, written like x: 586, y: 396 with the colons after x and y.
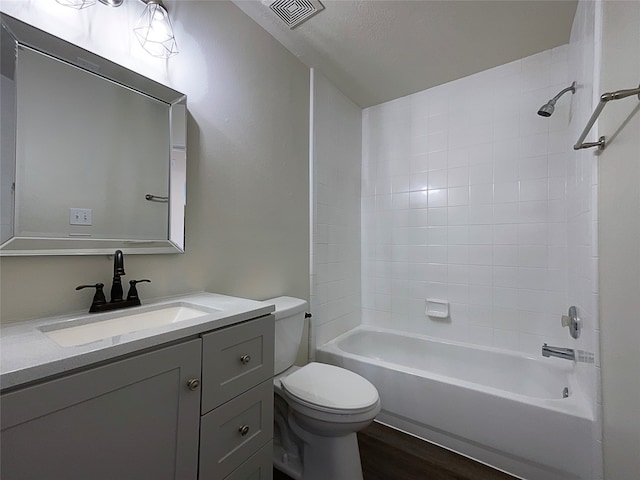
x: 619, y: 243
x: 247, y: 219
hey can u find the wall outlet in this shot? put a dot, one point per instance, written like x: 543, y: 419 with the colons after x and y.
x: 80, y: 216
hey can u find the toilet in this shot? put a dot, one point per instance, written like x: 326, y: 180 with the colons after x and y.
x: 318, y: 408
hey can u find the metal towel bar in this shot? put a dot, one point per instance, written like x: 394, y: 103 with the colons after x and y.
x: 604, y: 98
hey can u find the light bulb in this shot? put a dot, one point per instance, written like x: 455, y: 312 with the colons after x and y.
x: 77, y: 4
x: 154, y: 31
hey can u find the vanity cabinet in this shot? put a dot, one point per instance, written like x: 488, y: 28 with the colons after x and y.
x: 198, y: 409
x: 237, y: 398
x: 130, y: 419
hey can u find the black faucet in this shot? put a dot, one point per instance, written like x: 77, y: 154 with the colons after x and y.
x: 99, y: 303
x: 118, y: 269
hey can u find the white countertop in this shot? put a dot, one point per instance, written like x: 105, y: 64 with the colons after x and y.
x: 27, y: 354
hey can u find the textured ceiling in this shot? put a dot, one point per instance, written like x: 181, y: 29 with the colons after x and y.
x: 375, y: 50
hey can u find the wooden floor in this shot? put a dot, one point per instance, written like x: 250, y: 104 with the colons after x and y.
x: 388, y: 454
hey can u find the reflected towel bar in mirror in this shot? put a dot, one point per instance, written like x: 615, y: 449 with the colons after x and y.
x: 156, y: 198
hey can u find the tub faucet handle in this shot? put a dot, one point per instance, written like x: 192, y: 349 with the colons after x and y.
x: 572, y: 321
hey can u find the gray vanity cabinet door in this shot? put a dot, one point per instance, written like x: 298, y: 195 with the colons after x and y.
x: 134, y: 419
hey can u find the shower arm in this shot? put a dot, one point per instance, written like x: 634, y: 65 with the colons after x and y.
x: 571, y: 88
x: 547, y: 109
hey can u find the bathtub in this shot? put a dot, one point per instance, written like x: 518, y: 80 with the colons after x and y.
x: 501, y: 408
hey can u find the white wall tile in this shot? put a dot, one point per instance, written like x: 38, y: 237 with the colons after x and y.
x: 481, y: 275
x: 532, y: 167
x: 436, y: 197
x: 504, y: 234
x: 437, y: 160
x: 419, y: 181
x: 437, y: 235
x: 505, y: 277
x: 531, y: 190
x: 458, y: 215
x: 338, y: 214
x: 437, y: 179
x: 481, y: 214
x: 492, y: 234
x: 505, y: 213
x: 481, y: 254
x: 458, y: 177
x: 458, y: 196
x: 438, y: 216
x: 506, y: 192
x: 418, y: 199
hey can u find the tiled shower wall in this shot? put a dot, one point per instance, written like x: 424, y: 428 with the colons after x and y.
x: 335, y: 250
x: 464, y: 199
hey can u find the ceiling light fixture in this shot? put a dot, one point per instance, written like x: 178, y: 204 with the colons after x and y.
x: 111, y: 3
x: 77, y: 4
x: 154, y: 30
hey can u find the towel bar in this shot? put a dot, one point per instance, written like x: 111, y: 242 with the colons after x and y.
x: 604, y: 98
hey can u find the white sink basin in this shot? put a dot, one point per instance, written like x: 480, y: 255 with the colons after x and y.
x: 89, y: 329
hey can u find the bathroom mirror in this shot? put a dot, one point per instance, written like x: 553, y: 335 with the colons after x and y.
x: 93, y: 155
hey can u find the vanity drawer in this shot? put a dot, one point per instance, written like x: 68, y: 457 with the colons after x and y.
x: 235, y: 359
x: 234, y: 431
x: 258, y: 467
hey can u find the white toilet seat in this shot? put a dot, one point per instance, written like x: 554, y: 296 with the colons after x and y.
x: 330, y: 393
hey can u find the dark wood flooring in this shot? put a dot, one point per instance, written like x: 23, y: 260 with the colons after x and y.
x: 388, y: 454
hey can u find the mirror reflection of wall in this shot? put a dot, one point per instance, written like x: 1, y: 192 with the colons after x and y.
x: 7, y: 136
x: 7, y: 149
x: 80, y: 146
x: 178, y: 190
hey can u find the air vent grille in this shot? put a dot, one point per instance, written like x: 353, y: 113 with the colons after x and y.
x: 295, y: 12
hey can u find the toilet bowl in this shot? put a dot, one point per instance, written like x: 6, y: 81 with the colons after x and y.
x: 318, y: 407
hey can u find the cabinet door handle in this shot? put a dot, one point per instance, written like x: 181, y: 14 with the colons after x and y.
x: 245, y: 359
x: 244, y: 429
x: 193, y: 384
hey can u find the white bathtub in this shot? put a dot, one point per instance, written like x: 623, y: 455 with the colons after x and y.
x: 501, y: 408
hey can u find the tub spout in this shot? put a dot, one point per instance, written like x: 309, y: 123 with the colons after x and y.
x: 566, y: 353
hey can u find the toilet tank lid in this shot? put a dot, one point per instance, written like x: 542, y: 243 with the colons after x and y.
x: 287, y: 306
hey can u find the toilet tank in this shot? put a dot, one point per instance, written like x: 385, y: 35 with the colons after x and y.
x: 289, y: 328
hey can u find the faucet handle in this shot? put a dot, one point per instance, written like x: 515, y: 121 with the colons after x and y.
x: 572, y: 321
x: 133, y: 291
x: 98, y: 298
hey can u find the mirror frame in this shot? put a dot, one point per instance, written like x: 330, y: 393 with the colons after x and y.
x: 33, y: 38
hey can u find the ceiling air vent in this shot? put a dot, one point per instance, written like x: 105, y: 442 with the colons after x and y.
x: 294, y: 12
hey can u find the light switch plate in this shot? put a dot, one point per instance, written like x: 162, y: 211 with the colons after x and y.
x: 80, y: 216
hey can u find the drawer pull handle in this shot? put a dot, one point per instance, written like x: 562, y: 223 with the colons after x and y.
x: 245, y: 359
x: 193, y: 384
x: 244, y: 430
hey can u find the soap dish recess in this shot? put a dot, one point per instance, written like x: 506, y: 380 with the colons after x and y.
x: 437, y: 308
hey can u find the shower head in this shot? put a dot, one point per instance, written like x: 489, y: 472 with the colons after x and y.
x: 547, y: 109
